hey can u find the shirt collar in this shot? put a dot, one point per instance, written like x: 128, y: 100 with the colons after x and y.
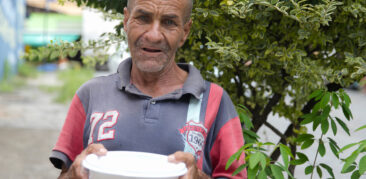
x: 194, y: 83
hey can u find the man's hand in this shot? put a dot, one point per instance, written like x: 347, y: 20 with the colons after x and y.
x: 189, y: 160
x: 76, y: 170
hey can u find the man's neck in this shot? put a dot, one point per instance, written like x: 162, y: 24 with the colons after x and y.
x: 160, y: 83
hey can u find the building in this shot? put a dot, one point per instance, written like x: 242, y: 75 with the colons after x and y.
x: 12, y: 15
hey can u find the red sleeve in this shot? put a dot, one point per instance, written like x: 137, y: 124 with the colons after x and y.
x: 70, y: 141
x: 228, y: 141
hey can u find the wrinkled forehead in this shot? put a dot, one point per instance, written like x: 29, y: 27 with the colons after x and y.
x: 173, y: 5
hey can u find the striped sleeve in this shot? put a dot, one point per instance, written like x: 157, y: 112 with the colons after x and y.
x: 70, y: 140
x: 227, y: 139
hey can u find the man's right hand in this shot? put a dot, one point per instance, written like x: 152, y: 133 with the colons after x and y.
x: 76, y: 170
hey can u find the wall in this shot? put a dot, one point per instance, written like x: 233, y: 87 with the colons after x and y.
x: 12, y: 14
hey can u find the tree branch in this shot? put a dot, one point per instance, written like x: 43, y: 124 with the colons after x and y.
x: 274, y: 130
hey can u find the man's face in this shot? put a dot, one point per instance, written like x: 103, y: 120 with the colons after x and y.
x: 155, y: 30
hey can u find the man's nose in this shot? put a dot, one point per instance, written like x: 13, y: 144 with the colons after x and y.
x: 154, y: 33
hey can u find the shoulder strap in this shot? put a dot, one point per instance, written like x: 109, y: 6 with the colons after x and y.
x: 193, y: 114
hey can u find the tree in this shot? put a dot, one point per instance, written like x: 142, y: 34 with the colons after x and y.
x: 292, y: 58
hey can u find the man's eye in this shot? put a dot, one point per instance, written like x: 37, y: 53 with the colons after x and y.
x: 169, y: 22
x: 143, y: 18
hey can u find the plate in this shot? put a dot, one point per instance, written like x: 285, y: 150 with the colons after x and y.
x: 132, y: 164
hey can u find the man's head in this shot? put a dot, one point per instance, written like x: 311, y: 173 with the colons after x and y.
x: 188, y: 8
x: 155, y: 30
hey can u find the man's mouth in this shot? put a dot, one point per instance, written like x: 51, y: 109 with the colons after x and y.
x: 151, y: 50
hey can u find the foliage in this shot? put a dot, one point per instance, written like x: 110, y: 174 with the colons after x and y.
x: 27, y: 70
x: 71, y: 79
x: 290, y: 58
x: 60, y: 49
x: 270, y: 56
x: 9, y: 83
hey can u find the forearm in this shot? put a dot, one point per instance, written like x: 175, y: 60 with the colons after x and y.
x: 63, y: 174
x: 202, y: 175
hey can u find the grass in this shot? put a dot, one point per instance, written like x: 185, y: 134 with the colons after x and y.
x: 72, y: 79
x: 10, y: 82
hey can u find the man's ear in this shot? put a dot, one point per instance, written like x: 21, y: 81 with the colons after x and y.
x: 125, y: 19
x: 186, y: 30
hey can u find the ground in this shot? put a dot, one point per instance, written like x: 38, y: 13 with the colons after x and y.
x: 30, y: 122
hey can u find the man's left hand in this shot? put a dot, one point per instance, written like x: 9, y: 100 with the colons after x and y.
x: 189, y: 160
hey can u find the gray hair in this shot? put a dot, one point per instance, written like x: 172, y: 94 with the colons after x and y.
x: 185, y: 18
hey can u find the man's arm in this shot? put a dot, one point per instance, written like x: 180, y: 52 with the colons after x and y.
x: 76, y: 170
x: 70, y: 140
x: 189, y: 160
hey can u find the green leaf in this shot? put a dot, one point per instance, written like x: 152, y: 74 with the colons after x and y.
x: 277, y: 172
x: 328, y: 168
x: 325, y: 100
x: 274, y: 2
x: 302, y: 159
x: 297, y: 162
x: 251, y: 133
x: 326, y: 111
x: 321, y: 148
x: 346, y: 99
x: 245, y: 118
x: 349, y: 161
x: 347, y: 112
x: 309, y: 169
x: 316, y: 107
x: 304, y: 137
x: 333, y: 147
x: 355, y: 175
x: 349, y: 169
x: 234, y: 157
x: 347, y: 147
x: 343, y: 125
x: 314, y: 94
x: 307, y: 144
x: 54, y: 54
x: 306, y: 121
x: 285, y: 169
x: 284, y: 154
x: 252, y: 172
x: 254, y: 160
x: 360, y: 128
x: 334, y: 126
x: 262, y: 175
x: 319, y: 171
x: 335, y: 100
x: 325, y: 126
x: 263, y: 161
x: 362, y: 165
x: 239, y: 169
x: 316, y: 122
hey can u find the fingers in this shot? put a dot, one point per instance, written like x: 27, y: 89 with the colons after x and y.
x: 184, y: 157
x: 97, y: 149
x: 76, y: 170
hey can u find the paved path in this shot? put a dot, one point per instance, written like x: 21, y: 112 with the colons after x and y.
x: 29, y: 125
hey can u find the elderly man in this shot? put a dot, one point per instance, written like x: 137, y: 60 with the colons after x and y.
x: 153, y: 104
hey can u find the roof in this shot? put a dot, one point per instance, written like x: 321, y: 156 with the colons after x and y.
x: 69, y: 8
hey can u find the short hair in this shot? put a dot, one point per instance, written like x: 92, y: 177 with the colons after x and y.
x: 186, y: 17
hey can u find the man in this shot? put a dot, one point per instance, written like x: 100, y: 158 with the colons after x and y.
x: 153, y: 104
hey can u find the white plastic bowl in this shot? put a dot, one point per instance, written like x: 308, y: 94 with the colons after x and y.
x: 132, y: 165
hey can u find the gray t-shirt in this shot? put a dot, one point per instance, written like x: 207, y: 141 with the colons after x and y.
x: 112, y: 111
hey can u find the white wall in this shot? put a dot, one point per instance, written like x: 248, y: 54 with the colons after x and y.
x: 94, y: 25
